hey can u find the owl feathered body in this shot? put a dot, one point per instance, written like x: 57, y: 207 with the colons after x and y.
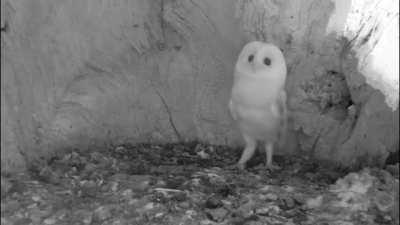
x: 258, y: 98
x: 260, y: 116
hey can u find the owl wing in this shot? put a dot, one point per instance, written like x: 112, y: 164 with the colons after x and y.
x: 281, y: 105
x: 232, y: 110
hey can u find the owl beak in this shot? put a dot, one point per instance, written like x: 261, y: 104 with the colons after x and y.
x: 253, y: 66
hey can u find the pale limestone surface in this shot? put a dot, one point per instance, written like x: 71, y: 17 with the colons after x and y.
x: 100, y: 72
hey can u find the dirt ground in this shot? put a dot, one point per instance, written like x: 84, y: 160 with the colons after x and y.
x: 195, y: 183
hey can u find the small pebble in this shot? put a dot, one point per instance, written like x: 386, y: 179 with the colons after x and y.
x: 49, y: 221
x: 102, y: 213
x: 119, y: 222
x: 270, y: 197
x: 36, y: 218
x: 255, y: 223
x: 158, y: 215
x: 90, y: 167
x: 128, y: 193
x: 218, y: 214
x: 269, y: 209
x: 184, y: 204
x: 288, y: 188
x: 203, y: 154
x: 213, y: 202
x: 190, y: 213
x: 36, y: 198
x: 114, y: 186
x: 148, y: 206
x: 266, y: 188
x: 288, y: 202
x: 87, y: 218
x: 314, y: 202
x: 206, y: 222
x: 139, y: 182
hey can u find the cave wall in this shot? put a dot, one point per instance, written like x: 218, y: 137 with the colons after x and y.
x: 97, y: 73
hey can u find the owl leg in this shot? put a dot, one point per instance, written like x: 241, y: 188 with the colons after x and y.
x: 269, y: 150
x: 248, y: 152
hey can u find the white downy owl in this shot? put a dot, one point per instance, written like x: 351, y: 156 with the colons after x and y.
x: 258, y: 98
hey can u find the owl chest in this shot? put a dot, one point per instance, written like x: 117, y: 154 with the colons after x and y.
x: 254, y: 94
x: 256, y: 114
x: 258, y: 122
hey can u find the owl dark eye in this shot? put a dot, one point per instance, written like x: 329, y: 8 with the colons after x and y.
x: 267, y: 61
x: 251, y: 57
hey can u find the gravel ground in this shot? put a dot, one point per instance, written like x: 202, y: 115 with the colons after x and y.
x: 194, y: 183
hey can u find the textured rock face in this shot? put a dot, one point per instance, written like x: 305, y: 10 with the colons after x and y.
x: 102, y: 72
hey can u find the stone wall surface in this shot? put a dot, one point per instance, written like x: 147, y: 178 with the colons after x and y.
x: 78, y: 74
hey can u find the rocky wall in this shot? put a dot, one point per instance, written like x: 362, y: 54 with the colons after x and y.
x: 79, y: 74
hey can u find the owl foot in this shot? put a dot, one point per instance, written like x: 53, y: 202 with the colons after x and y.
x: 272, y: 167
x: 241, y: 166
x: 236, y: 166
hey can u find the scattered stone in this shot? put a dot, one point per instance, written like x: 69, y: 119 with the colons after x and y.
x: 190, y: 213
x: 49, y: 221
x: 184, y: 204
x: 158, y: 215
x: 206, y: 222
x: 96, y: 157
x: 252, y: 222
x: 90, y: 167
x: 139, y: 182
x: 127, y: 194
x: 179, y: 196
x: 267, y: 210
x: 32, y: 206
x: 288, y: 202
x: 84, y: 216
x: 314, y: 202
x: 102, y: 213
x: 149, y: 206
x: 289, y: 223
x: 217, y: 215
x: 61, y: 214
x: 269, y: 197
x: 36, y: 218
x: 247, y: 209
x: 384, y: 201
x: 288, y: 188
x: 99, y: 191
x: 213, y: 202
x: 266, y: 189
x: 37, y: 214
x: 36, y: 198
x: 119, y: 222
x: 299, y: 198
x: 203, y: 154
x: 120, y: 149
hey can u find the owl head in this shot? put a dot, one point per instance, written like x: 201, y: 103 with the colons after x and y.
x: 261, y: 60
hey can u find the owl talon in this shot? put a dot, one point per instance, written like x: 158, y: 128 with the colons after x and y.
x: 233, y: 167
x: 241, y: 166
x: 272, y: 167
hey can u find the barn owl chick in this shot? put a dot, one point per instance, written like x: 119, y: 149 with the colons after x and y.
x: 258, y: 98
